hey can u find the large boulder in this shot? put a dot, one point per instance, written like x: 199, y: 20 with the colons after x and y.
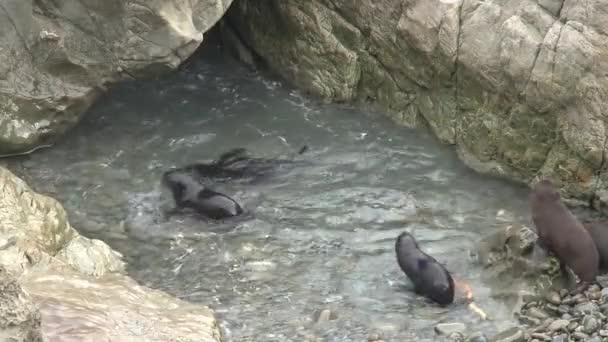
x: 58, y: 56
x: 519, y: 87
x: 58, y: 285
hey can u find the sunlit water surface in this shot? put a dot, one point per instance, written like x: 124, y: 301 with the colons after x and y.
x: 319, y: 237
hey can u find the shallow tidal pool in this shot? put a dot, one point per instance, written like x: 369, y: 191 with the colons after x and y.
x: 315, y: 259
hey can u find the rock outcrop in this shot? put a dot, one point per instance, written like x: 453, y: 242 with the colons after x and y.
x: 59, y: 56
x: 519, y: 87
x: 60, y: 286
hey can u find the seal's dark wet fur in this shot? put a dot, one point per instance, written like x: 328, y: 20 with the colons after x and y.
x: 430, y: 278
x: 561, y: 232
x: 188, y: 192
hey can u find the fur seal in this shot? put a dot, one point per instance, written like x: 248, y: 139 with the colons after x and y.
x: 238, y: 164
x: 430, y: 278
x: 561, y: 232
x: 188, y: 192
x: 599, y: 233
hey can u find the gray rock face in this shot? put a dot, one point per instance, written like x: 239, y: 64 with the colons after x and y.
x: 518, y: 86
x: 58, y: 285
x: 58, y: 56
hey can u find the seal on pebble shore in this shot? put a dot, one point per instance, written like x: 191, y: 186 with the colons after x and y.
x: 561, y: 233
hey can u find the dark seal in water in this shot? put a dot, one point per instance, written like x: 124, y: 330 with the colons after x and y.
x: 430, y: 278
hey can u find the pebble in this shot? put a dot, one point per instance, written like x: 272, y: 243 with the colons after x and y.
x: 476, y: 337
x: 553, y: 298
x: 590, y: 324
x: 572, y: 326
x: 603, y: 333
x: 510, y: 335
x: 449, y: 328
x: 456, y: 336
x: 604, y: 295
x: 538, y: 313
x: 558, y: 324
x: 560, y: 338
x: 580, y: 336
x: 325, y: 316
x: 528, y: 320
x: 541, y: 337
x: 586, y: 308
x: 595, y: 339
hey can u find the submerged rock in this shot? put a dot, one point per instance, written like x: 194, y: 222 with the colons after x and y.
x: 76, y: 282
x: 56, y: 61
x: 518, y: 86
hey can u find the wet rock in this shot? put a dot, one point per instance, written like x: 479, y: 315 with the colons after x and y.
x: 590, y: 324
x: 541, y: 337
x: 558, y: 325
x: 19, y: 317
x: 78, y: 307
x: 553, y: 298
x: 74, y: 281
x: 509, y: 335
x: 577, y: 335
x: 560, y: 338
x: 446, y: 329
x: 604, y: 295
x: 39, y: 229
x: 537, y: 313
x: 476, y: 337
x: 326, y: 315
x: 456, y: 337
x: 572, y: 326
x: 45, y: 43
x: 529, y: 320
x: 586, y: 308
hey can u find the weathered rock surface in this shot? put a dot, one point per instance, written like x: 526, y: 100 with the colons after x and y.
x: 58, y: 56
x: 19, y: 317
x: 74, y: 290
x: 519, y: 87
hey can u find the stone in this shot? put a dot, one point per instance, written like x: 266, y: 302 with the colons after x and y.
x: 56, y: 61
x: 558, y: 325
x: 590, y: 324
x: 553, y: 298
x: 537, y: 313
x: 518, y: 86
x: 541, y: 337
x: 77, y: 283
x: 476, y: 337
x: 19, y: 317
x: 444, y: 329
x: 586, y: 308
x: 510, y: 335
x: 80, y: 307
x: 560, y: 338
x: 529, y: 320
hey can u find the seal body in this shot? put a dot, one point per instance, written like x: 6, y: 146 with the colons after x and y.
x: 599, y: 233
x: 188, y: 192
x: 561, y: 232
x: 430, y: 278
x: 238, y: 164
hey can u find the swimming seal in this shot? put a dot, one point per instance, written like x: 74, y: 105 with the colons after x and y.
x: 430, y: 278
x: 188, y: 192
x: 561, y: 232
x: 238, y: 164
